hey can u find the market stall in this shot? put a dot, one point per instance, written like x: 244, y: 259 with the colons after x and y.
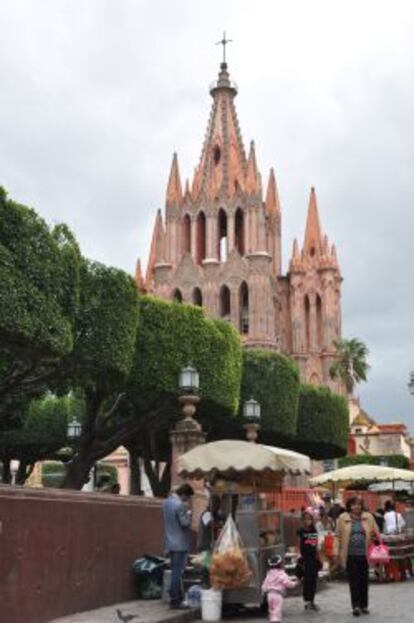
x: 242, y: 474
x: 401, y: 546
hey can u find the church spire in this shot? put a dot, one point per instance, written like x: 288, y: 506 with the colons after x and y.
x: 253, y: 176
x: 272, y: 197
x: 174, y: 189
x: 223, y: 163
x: 157, y: 248
x: 313, y: 235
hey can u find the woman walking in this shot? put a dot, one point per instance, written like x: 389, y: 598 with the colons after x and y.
x: 310, y: 562
x: 356, y: 530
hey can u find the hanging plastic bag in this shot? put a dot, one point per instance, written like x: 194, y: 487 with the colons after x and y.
x: 229, y: 567
x: 379, y: 554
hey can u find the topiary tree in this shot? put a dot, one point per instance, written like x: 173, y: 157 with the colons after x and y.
x: 170, y: 336
x: 39, y: 286
x: 273, y: 380
x: 99, y: 363
x: 323, y: 423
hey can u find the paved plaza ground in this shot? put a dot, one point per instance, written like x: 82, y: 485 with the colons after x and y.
x: 388, y: 602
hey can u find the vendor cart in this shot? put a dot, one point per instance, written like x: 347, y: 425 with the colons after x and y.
x: 246, y: 476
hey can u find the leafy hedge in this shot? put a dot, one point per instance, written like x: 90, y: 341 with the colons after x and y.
x: 273, y: 380
x: 391, y: 460
x: 53, y: 473
x: 170, y: 336
x: 323, y: 423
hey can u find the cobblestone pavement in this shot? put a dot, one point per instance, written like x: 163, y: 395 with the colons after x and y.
x: 388, y: 602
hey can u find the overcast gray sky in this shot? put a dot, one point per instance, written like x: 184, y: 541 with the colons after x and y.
x: 95, y: 95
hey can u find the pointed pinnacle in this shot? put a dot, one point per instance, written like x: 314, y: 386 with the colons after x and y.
x: 174, y: 190
x: 139, y: 278
x: 313, y: 233
x: 272, y: 197
x: 252, y: 178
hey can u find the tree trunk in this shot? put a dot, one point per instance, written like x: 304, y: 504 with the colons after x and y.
x: 6, y: 471
x: 21, y: 475
x: 135, y: 470
x: 77, y: 472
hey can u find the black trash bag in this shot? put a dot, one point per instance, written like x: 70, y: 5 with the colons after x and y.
x: 148, y: 573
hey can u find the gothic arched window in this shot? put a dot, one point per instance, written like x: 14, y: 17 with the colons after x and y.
x: 244, y: 308
x: 239, y: 231
x: 197, y: 297
x: 222, y: 236
x: 187, y: 234
x: 224, y: 303
x: 177, y: 297
x: 319, y: 325
x: 201, y: 238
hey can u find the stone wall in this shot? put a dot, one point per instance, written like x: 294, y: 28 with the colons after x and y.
x: 63, y: 552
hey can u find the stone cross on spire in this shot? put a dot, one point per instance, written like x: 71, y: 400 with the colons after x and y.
x: 224, y: 42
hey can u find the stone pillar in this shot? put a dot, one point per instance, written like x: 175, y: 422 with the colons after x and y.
x: 185, y: 436
x: 230, y: 232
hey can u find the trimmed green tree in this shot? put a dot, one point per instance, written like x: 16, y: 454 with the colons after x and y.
x: 104, y: 345
x: 273, y: 380
x: 39, y: 286
x: 323, y: 423
x: 170, y: 336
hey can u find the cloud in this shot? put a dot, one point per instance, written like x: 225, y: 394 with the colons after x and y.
x: 95, y: 97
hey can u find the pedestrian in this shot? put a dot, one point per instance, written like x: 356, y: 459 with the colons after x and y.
x: 310, y: 562
x: 336, y: 510
x: 325, y: 529
x: 210, y: 525
x: 393, y: 522
x: 177, y: 526
x: 274, y: 587
x: 356, y: 530
x: 379, y: 518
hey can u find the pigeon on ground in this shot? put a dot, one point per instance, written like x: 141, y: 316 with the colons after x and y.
x: 125, y: 618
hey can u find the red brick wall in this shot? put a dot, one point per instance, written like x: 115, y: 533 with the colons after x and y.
x: 63, y: 552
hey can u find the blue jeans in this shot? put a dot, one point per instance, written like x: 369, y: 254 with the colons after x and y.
x: 178, y: 562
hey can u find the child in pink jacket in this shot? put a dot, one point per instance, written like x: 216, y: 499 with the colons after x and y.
x: 274, y: 586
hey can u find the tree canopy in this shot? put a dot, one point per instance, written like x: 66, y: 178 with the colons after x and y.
x: 170, y: 336
x: 39, y: 288
x: 273, y: 380
x: 323, y: 423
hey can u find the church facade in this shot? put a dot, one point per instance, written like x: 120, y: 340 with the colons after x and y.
x: 218, y: 245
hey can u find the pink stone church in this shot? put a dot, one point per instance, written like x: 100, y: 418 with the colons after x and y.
x: 218, y: 245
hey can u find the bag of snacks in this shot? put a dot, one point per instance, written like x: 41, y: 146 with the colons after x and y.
x: 229, y: 567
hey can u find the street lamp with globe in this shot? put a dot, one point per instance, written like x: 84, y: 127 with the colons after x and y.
x: 252, y: 415
x: 74, y: 432
x: 189, y: 384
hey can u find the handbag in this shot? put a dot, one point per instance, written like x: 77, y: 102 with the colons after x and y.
x: 378, y: 554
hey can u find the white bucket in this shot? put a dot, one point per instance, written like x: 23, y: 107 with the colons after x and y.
x: 211, y: 601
